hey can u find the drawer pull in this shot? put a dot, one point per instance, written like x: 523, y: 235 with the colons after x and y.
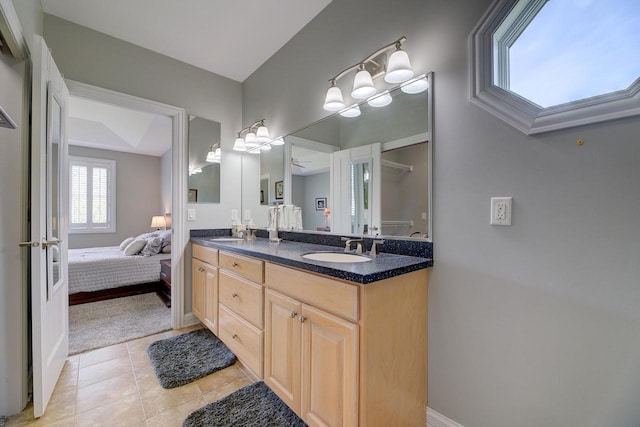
x: 200, y: 269
x: 234, y: 336
x: 293, y: 314
x: 302, y: 319
x: 234, y: 264
x: 234, y: 295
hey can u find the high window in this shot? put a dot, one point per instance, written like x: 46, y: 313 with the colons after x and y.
x: 92, y: 195
x: 543, y: 65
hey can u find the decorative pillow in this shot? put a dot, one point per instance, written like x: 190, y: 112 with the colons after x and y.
x: 126, y: 242
x: 147, y: 235
x: 166, y: 237
x: 135, y: 247
x: 153, y: 246
x: 166, y: 249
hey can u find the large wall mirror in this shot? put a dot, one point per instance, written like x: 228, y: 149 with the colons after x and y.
x: 204, y: 176
x: 370, y: 174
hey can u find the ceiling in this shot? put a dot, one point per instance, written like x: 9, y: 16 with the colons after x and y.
x: 232, y: 38
x: 98, y: 125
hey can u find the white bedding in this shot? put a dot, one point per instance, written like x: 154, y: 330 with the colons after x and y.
x: 94, y: 269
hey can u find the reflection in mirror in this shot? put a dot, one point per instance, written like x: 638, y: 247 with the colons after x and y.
x: 54, y: 168
x: 271, y: 172
x: 359, y: 191
x: 310, y: 180
x: 204, y: 176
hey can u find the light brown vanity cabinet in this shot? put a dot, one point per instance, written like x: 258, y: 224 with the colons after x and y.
x: 343, y: 354
x: 204, y: 286
x: 241, y: 298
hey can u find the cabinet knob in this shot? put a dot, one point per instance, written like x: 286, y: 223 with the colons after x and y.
x: 293, y: 314
x: 234, y: 295
x: 234, y: 264
x: 200, y: 269
x: 234, y: 336
x: 302, y: 319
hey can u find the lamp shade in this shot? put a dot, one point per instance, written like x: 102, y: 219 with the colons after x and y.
x: 238, y: 145
x: 333, y: 101
x: 353, y: 111
x: 250, y: 140
x: 262, y: 134
x: 363, y: 85
x: 381, y: 100
x: 158, y: 222
x: 414, y: 86
x: 399, y: 68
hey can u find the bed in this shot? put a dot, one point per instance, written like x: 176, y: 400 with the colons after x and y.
x: 107, y: 272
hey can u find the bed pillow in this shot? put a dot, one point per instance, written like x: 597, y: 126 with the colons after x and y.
x: 135, y: 247
x: 147, y: 235
x: 152, y: 247
x: 166, y: 249
x: 166, y: 237
x: 126, y: 242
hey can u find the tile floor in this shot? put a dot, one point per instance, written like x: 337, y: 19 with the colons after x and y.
x: 116, y: 386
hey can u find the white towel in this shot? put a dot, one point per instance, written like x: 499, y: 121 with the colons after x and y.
x: 271, y: 218
x: 297, y: 215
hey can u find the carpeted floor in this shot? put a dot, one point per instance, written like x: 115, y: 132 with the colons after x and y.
x: 99, y: 324
x: 184, y: 358
x: 252, y: 406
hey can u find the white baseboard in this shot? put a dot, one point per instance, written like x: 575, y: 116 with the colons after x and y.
x: 436, y: 419
x: 189, y: 319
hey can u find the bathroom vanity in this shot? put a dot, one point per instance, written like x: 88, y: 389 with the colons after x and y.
x: 343, y: 344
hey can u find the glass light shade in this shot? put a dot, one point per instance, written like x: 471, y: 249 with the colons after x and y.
x: 197, y: 170
x: 262, y: 134
x: 362, y: 85
x: 353, y: 111
x: 250, y: 140
x: 381, y: 100
x: 399, y: 68
x: 333, y: 101
x: 278, y: 141
x: 158, y: 221
x: 217, y: 156
x: 238, y: 145
x: 211, y: 156
x: 414, y: 86
x: 265, y: 147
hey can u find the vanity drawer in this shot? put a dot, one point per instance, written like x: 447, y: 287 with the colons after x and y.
x: 246, y: 267
x: 203, y: 253
x: 242, y: 338
x: 243, y: 297
x: 331, y: 295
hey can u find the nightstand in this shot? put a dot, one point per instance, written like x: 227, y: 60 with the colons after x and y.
x: 165, y: 282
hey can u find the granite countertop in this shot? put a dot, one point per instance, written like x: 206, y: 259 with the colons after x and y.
x: 381, y: 266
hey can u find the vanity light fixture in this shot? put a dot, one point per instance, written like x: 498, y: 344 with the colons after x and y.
x: 278, y: 141
x: 417, y: 85
x: 381, y: 100
x: 353, y: 111
x: 255, y: 138
x: 215, y: 154
x: 398, y: 70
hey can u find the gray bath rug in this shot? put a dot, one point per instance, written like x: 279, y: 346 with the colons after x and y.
x: 184, y: 358
x: 252, y: 406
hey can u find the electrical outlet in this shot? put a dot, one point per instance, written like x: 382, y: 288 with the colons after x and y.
x: 501, y: 210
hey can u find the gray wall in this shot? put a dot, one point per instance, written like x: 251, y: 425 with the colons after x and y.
x: 14, y: 98
x: 91, y: 57
x: 529, y: 325
x: 138, y: 196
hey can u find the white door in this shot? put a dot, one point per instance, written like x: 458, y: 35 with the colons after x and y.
x: 49, y: 190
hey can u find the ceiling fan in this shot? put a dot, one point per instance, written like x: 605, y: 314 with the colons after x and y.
x: 298, y: 163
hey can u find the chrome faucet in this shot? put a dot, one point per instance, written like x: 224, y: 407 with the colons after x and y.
x: 374, y: 247
x: 349, y: 242
x: 273, y: 233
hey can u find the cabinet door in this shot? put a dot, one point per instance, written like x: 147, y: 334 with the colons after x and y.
x: 198, y: 288
x: 329, y: 369
x: 282, y: 347
x: 211, y: 301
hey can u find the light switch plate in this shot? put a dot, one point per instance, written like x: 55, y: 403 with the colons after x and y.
x: 501, y: 210
x: 191, y: 214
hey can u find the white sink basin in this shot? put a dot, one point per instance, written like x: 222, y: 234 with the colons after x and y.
x: 226, y: 239
x: 336, y: 257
